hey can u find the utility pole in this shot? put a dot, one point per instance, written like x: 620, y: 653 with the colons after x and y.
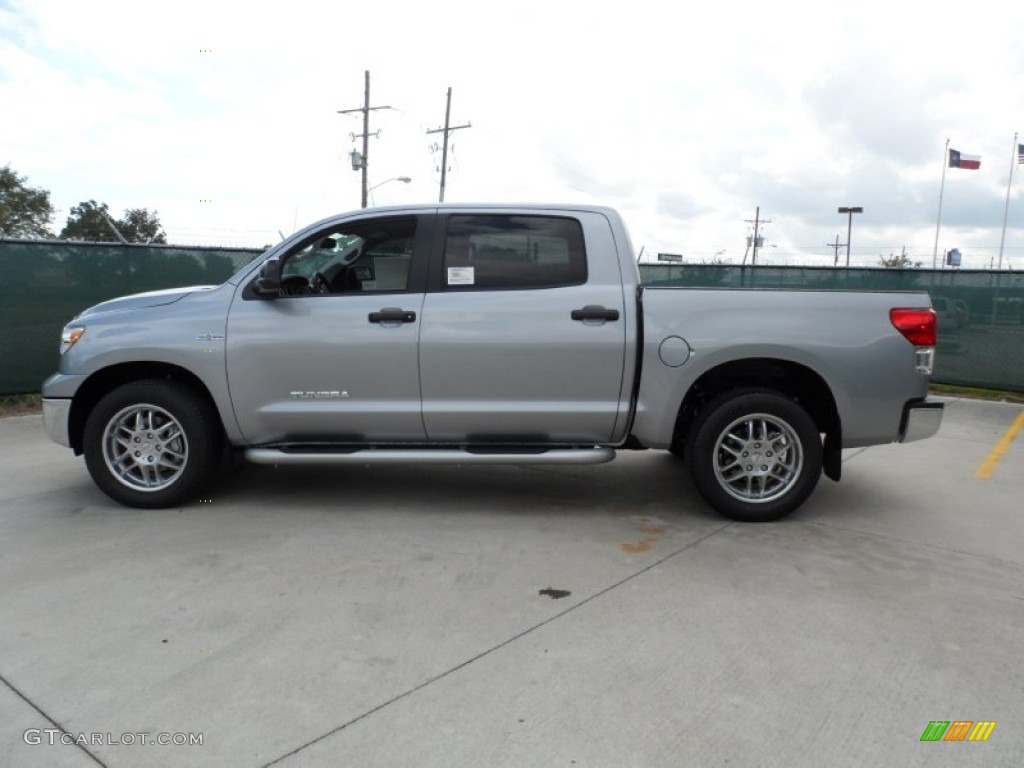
x: 835, y: 248
x: 757, y: 221
x: 446, y: 130
x: 362, y: 161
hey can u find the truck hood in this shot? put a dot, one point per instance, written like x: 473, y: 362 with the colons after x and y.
x: 142, y: 300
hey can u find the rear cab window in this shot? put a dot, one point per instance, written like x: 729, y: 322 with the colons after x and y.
x: 509, y: 252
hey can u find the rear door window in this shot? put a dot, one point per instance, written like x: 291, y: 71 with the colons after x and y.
x: 499, y: 252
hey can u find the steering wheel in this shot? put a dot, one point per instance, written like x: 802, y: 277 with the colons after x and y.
x: 294, y: 285
x: 319, y: 283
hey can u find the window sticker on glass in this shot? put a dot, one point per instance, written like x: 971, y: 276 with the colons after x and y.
x: 460, y: 276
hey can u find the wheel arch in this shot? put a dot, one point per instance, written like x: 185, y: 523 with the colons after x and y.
x: 104, y: 380
x: 793, y: 380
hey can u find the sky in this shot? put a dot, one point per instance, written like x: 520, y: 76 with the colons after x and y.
x: 224, y: 117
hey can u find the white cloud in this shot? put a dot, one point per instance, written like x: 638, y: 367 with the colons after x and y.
x: 685, y: 119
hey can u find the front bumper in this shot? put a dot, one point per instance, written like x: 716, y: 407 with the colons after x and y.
x: 55, y: 416
x: 921, y: 419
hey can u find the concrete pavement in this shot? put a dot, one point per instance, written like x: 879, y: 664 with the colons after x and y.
x: 393, y: 616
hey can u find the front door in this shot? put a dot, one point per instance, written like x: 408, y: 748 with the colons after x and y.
x: 334, y: 357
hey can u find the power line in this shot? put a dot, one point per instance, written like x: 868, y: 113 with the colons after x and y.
x: 446, y: 130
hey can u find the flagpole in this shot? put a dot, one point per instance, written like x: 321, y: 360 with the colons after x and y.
x: 1006, y: 210
x: 938, y: 221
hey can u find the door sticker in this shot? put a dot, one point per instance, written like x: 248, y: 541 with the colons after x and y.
x: 460, y: 276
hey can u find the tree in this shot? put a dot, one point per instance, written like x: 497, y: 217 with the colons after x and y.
x: 901, y: 261
x: 91, y: 221
x: 24, y: 211
x: 141, y: 226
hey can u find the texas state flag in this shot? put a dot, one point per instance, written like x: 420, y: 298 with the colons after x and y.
x: 963, y: 160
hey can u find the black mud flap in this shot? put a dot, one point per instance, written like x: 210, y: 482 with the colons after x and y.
x: 832, y: 459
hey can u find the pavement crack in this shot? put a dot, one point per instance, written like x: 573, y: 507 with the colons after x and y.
x: 55, y: 724
x: 925, y: 545
x: 498, y: 647
x: 852, y: 454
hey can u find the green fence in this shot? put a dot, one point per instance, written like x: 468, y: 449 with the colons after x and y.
x: 980, y: 313
x: 43, y: 284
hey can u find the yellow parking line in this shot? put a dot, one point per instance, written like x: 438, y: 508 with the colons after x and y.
x: 988, y: 466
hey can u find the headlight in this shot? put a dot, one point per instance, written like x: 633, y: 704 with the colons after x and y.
x: 70, y: 335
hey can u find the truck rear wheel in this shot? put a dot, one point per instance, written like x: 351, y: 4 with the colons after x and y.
x: 755, y: 455
x: 151, y: 444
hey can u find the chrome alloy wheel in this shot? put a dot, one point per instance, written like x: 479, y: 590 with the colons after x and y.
x: 145, y: 447
x: 758, y: 458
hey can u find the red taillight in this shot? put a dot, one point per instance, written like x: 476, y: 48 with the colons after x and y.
x: 917, y: 325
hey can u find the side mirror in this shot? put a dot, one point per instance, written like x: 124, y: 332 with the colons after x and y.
x: 268, y: 284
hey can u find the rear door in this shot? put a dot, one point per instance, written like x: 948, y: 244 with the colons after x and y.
x: 524, y: 334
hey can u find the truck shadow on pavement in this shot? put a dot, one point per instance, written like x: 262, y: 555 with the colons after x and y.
x: 654, y: 482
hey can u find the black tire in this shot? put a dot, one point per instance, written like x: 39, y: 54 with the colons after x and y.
x: 755, y: 455
x: 152, y: 444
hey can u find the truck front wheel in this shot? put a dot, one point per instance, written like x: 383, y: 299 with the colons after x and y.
x: 755, y: 455
x: 151, y: 444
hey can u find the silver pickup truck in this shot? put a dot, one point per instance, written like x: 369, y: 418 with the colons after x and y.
x: 480, y: 334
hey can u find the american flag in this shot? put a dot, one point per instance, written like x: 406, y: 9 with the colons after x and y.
x: 1020, y: 154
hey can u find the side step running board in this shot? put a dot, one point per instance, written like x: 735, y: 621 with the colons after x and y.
x: 429, y: 456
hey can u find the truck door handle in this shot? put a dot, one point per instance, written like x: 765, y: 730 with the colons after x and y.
x: 392, y: 315
x: 595, y: 312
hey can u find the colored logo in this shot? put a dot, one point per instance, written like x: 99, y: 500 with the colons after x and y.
x: 958, y: 730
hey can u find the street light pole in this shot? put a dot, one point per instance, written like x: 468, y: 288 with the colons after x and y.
x: 849, y: 211
x: 403, y: 179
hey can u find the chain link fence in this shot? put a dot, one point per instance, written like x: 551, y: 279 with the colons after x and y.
x: 980, y: 313
x: 44, y: 283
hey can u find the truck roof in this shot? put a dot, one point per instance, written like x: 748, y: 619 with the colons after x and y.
x: 486, y: 206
